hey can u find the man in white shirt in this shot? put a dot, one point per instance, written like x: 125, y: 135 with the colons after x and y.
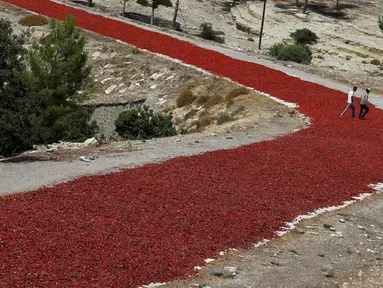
x: 350, y: 102
x: 364, y: 104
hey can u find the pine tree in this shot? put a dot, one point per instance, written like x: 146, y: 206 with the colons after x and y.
x: 154, y: 5
x: 14, y: 127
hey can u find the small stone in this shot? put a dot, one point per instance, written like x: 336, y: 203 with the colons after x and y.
x: 342, y: 220
x: 110, y: 89
x: 216, y: 271
x: 379, y: 257
x: 326, y: 225
x: 293, y: 251
x: 328, y: 270
x: 83, y: 158
x: 177, y: 140
x: 203, y: 286
x: 230, y: 272
x: 196, y: 141
x: 229, y: 137
x: 153, y: 86
x: 321, y: 254
x: 332, y: 228
x: 276, y: 263
x: 361, y: 227
x: 298, y: 230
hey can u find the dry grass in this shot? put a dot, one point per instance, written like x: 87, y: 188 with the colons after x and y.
x: 201, y: 100
x: 223, y: 117
x: 190, y: 114
x: 33, y: 20
x: 213, y: 100
x: 186, y: 97
x: 204, y: 121
x: 236, y: 92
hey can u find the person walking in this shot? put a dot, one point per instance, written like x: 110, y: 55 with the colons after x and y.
x: 364, y: 104
x: 350, y: 102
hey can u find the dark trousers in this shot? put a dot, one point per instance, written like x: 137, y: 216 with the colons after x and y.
x: 363, y: 107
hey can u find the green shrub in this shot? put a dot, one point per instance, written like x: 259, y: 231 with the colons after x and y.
x: 143, y: 123
x: 33, y: 20
x: 208, y: 33
x: 304, y: 36
x: 296, y: 53
x: 276, y: 48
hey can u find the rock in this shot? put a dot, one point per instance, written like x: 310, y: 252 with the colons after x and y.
x: 342, y: 220
x: 83, y: 158
x: 91, y: 142
x: 328, y: 270
x: 153, y: 87
x: 196, y: 141
x: 326, y: 225
x: 203, y: 286
x: 276, y: 263
x: 230, y: 272
x: 332, y: 228
x: 110, y: 89
x: 170, y: 78
x: 321, y: 254
x: 155, y: 76
x: 95, y: 55
x: 229, y: 137
x: 361, y: 227
x: 216, y: 271
x: 379, y: 257
x: 298, y: 230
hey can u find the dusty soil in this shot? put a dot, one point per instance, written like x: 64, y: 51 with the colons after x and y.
x: 349, y: 39
x: 126, y: 77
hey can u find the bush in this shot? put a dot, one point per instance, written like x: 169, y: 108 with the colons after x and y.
x: 190, y: 114
x: 375, y: 62
x: 276, y: 48
x: 186, y: 97
x: 143, y: 123
x: 236, y: 92
x: 296, y: 53
x: 380, y: 22
x: 223, y: 117
x: 201, y: 100
x: 212, y: 101
x: 304, y: 36
x: 33, y: 20
x: 208, y: 33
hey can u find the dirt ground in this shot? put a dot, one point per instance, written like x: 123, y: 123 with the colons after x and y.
x: 338, y: 249
x: 349, y: 39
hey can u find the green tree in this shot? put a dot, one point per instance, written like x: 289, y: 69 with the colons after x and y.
x: 154, y: 5
x: 59, y: 72
x: 14, y: 127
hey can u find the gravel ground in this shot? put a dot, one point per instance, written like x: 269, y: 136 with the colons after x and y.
x: 23, y: 176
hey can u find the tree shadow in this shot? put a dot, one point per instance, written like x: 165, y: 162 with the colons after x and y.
x: 320, y: 8
x: 80, y: 2
x: 143, y: 18
x: 226, y: 5
x: 26, y: 159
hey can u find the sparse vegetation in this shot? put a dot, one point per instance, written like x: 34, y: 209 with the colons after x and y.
x: 375, y: 62
x: 33, y: 20
x: 208, y: 33
x: 186, y: 97
x: 143, y: 123
x: 304, y: 36
x: 201, y: 100
x: 380, y: 23
x: 213, y: 100
x: 223, y: 117
x: 190, y: 114
x: 236, y: 92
